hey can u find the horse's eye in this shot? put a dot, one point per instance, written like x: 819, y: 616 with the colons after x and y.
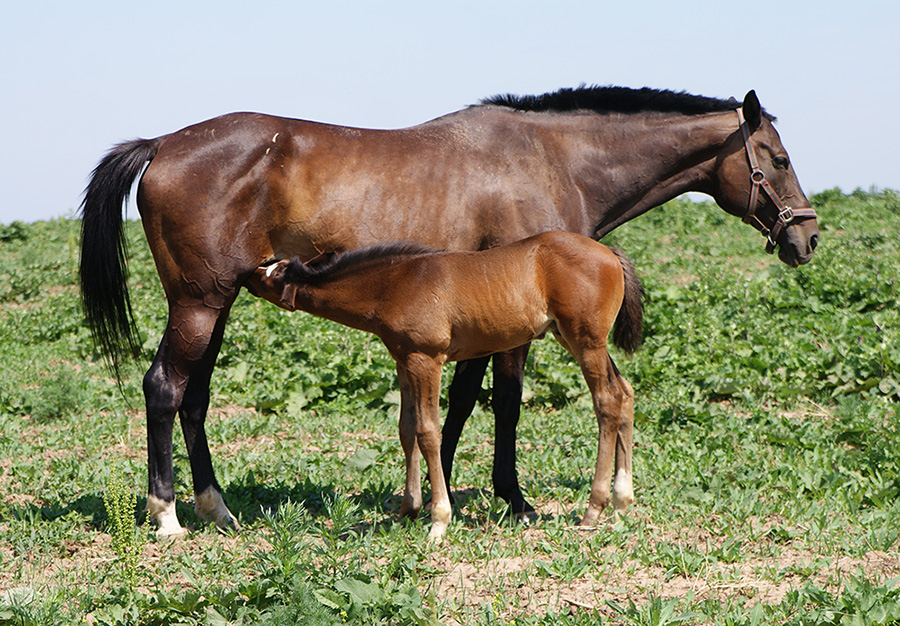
x: 781, y: 162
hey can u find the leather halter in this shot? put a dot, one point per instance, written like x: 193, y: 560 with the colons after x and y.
x: 758, y: 180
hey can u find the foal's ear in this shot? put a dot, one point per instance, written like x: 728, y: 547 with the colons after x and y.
x: 752, y: 110
x: 289, y: 297
x: 321, y: 259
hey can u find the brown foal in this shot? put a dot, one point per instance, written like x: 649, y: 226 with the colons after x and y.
x: 432, y: 307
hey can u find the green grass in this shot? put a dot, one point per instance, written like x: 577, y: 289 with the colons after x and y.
x: 767, y: 458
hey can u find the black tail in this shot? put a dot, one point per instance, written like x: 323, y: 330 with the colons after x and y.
x: 104, y: 290
x: 627, y: 329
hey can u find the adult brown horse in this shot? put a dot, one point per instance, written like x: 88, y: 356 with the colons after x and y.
x: 431, y: 307
x: 224, y: 196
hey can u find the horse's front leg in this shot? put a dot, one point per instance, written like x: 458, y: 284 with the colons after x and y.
x: 461, y: 399
x: 509, y: 372
x: 420, y: 397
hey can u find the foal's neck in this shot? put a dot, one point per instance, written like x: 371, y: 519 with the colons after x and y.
x: 351, y: 297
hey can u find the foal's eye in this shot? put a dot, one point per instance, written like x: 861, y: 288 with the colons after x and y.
x: 781, y: 162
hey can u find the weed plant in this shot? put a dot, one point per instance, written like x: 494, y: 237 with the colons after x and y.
x: 127, y: 539
x: 767, y: 458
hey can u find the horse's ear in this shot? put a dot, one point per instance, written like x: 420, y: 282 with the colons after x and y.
x: 752, y: 110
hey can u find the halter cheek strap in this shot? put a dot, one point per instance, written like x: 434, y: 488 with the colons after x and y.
x: 758, y: 181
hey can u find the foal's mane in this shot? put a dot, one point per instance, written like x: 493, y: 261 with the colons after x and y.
x: 614, y: 99
x: 351, y: 260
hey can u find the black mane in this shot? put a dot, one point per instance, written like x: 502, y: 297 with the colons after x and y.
x: 319, y: 270
x: 616, y: 100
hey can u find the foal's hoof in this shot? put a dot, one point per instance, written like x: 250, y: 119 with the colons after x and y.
x: 410, y: 509
x: 591, y: 516
x: 229, y: 525
x: 436, y: 535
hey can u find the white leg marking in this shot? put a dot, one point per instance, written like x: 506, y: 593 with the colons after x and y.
x: 164, y: 514
x: 623, y: 492
x: 440, y: 520
x: 209, y: 505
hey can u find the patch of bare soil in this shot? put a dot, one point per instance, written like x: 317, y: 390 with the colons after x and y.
x: 70, y: 562
x: 765, y: 572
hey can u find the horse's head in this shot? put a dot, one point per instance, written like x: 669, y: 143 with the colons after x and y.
x: 755, y: 180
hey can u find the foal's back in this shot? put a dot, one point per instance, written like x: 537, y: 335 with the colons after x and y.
x: 461, y: 305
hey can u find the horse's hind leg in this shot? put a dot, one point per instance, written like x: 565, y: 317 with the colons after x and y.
x: 178, y: 382
x: 462, y: 396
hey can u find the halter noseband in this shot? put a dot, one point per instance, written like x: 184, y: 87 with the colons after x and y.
x: 758, y: 179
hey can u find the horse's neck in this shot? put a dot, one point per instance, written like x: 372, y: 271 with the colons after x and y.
x: 648, y: 161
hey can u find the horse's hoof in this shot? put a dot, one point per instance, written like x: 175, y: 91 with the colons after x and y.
x: 210, y: 506
x: 521, y: 511
x: 171, y: 533
x: 527, y: 518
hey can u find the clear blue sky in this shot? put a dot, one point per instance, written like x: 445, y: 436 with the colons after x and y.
x: 80, y: 76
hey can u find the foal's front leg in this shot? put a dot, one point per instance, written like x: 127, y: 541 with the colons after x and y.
x: 411, y: 503
x: 419, y: 413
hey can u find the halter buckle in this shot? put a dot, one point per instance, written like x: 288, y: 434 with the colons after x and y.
x: 786, y: 215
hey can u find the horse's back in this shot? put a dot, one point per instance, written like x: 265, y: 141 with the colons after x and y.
x: 225, y: 195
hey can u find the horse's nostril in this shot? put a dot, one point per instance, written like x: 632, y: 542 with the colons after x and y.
x: 813, y: 242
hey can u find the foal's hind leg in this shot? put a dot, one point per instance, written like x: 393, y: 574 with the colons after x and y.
x: 178, y: 381
x: 609, y: 399
x: 623, y: 490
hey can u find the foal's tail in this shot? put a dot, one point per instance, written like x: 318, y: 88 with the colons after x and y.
x: 104, y: 290
x: 627, y: 329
